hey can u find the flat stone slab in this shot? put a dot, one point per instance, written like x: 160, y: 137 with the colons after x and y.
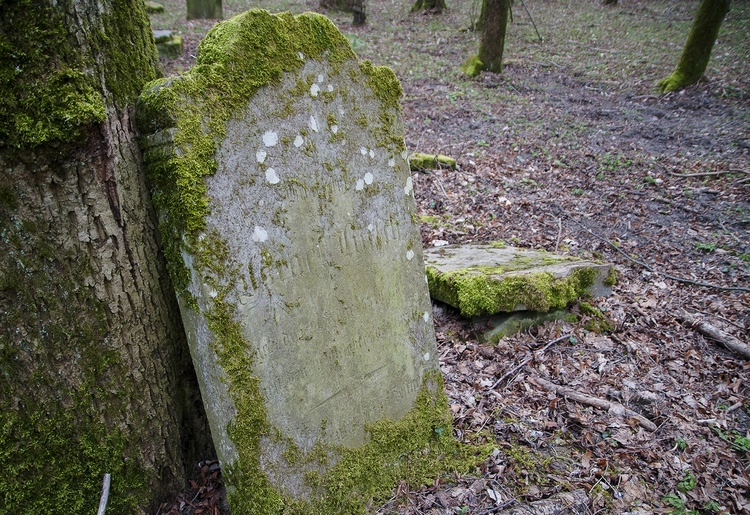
x: 484, y: 279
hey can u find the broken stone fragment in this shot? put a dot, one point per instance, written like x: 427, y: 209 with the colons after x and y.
x: 153, y: 7
x: 169, y: 45
x: 419, y: 161
x: 484, y: 279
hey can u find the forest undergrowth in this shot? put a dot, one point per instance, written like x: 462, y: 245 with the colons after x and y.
x: 571, y: 150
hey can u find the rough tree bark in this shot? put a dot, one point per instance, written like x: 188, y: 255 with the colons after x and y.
x: 428, y: 5
x: 95, y: 376
x: 700, y: 42
x: 492, y: 41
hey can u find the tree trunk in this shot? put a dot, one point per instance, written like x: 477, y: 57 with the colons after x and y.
x: 492, y: 41
x: 698, y: 47
x: 358, y: 9
x: 95, y: 376
x: 204, y: 9
x: 429, y: 5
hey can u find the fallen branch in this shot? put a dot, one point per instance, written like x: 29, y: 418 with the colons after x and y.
x: 612, y: 407
x: 526, y: 362
x: 706, y: 329
x: 565, y: 502
x: 105, y: 495
x: 706, y: 174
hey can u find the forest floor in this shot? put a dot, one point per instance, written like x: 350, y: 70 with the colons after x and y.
x: 572, y: 150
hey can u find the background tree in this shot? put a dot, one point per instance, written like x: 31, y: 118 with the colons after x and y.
x: 94, y: 373
x: 492, y: 41
x: 428, y: 5
x: 204, y: 9
x: 700, y: 42
x: 356, y: 7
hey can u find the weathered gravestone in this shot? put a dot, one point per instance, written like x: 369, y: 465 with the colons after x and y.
x: 280, y: 173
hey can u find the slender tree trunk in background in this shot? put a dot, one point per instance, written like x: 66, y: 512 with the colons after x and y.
x: 358, y: 9
x: 492, y: 40
x: 204, y: 9
x: 700, y: 42
x: 95, y: 376
x: 427, y: 5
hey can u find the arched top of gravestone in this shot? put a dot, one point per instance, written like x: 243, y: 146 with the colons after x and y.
x: 185, y: 118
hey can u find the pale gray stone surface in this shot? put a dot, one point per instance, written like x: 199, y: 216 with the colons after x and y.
x: 318, y: 215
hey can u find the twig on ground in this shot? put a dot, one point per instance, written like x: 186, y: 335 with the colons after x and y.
x: 726, y: 339
x: 706, y: 174
x: 105, y: 495
x: 646, y: 266
x: 614, y: 407
x: 527, y: 361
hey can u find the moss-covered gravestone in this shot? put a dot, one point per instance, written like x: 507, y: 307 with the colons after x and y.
x: 279, y: 170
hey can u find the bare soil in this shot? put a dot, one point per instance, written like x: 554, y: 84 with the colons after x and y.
x: 571, y: 150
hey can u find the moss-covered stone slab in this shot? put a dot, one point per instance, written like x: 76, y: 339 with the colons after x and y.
x: 484, y: 279
x: 419, y: 161
x: 154, y: 7
x: 280, y: 173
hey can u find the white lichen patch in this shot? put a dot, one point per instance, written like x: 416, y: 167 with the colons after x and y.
x: 392, y: 162
x: 213, y: 294
x: 409, y: 186
x: 372, y: 154
x: 409, y: 254
x: 299, y: 141
x: 330, y: 88
x: 360, y: 185
x: 426, y: 356
x: 369, y: 178
x: 334, y: 129
x: 271, y: 176
x: 363, y: 151
x: 260, y: 234
x: 405, y: 155
x: 321, y: 78
x: 426, y: 318
x: 301, y: 56
x: 270, y: 138
x: 260, y: 156
x: 313, y: 124
x: 314, y: 90
x: 371, y: 228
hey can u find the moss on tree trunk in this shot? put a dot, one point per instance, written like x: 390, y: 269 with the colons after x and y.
x: 492, y: 41
x: 95, y: 376
x: 700, y: 42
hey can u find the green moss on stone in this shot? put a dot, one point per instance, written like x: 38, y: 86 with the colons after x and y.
x: 475, y: 292
x: 419, y: 161
x: 473, y: 66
